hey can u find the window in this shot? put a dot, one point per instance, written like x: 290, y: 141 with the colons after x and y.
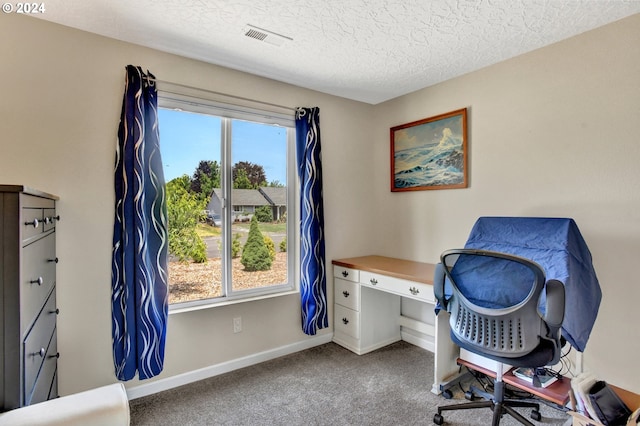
x: 230, y: 176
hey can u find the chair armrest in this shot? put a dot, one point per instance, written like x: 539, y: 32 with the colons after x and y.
x: 438, y: 285
x: 554, y: 309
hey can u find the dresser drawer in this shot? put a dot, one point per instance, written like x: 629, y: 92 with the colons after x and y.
x: 39, y: 276
x: 346, y: 273
x: 46, y: 383
x: 33, y: 214
x: 347, y: 293
x: 405, y: 288
x: 53, y: 392
x: 32, y: 223
x: 347, y: 321
x: 37, y: 344
x: 49, y: 219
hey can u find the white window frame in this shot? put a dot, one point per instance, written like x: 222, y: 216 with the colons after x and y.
x: 204, y: 103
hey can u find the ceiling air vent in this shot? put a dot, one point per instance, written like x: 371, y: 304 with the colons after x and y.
x: 265, y: 35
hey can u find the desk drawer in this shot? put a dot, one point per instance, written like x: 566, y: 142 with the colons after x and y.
x: 404, y: 288
x: 347, y: 293
x: 346, y: 273
x: 418, y: 291
x: 347, y: 321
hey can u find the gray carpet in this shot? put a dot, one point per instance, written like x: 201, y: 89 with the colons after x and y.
x: 325, y: 385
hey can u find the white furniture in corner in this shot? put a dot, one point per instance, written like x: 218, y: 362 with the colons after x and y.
x: 104, y: 406
x: 369, y: 310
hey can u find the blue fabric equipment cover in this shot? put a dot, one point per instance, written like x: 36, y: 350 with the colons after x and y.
x: 557, y: 245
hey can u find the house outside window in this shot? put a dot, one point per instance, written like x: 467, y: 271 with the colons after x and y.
x: 230, y: 176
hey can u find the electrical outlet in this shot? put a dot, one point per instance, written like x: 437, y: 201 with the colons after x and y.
x: 237, y: 325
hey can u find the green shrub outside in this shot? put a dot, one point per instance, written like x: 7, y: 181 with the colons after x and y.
x: 236, y: 246
x: 264, y: 214
x: 283, y: 245
x: 184, y: 212
x: 270, y: 246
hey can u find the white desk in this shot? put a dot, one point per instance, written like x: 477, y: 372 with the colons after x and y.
x: 369, y: 312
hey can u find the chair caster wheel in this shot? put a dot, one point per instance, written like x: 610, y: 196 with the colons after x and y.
x: 438, y: 419
x: 468, y: 395
x: 447, y: 394
x: 535, y: 415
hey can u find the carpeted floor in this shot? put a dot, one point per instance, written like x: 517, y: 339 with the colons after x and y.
x: 325, y: 385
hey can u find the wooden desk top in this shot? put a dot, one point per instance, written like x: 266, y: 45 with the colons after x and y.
x: 399, y: 268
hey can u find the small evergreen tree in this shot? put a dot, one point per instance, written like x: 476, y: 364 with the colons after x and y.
x: 283, y: 245
x: 255, y: 254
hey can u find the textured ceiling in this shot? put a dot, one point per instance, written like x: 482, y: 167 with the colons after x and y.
x: 367, y: 50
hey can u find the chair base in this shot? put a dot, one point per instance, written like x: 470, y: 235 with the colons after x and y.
x: 498, y: 408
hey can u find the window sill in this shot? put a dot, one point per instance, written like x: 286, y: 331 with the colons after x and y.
x: 210, y: 305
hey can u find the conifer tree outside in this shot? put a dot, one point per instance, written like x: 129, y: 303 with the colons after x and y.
x: 255, y: 254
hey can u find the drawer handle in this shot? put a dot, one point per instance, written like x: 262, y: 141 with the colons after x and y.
x: 345, y: 293
x: 39, y: 281
x: 345, y: 321
x: 414, y: 291
x: 34, y: 223
x: 48, y: 220
x: 57, y: 355
x: 345, y: 274
x: 53, y: 260
x: 373, y: 281
x: 42, y: 352
x: 57, y: 311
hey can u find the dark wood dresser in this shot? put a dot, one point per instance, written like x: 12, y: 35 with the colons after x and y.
x: 28, y: 312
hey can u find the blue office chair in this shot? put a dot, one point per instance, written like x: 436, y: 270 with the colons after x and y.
x: 495, y: 302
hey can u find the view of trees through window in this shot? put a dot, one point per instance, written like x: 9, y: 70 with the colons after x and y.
x: 224, y: 243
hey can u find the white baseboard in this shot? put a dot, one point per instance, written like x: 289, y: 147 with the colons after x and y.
x: 225, y: 367
x: 416, y: 340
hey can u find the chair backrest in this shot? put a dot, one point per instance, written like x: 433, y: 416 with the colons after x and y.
x: 494, y: 302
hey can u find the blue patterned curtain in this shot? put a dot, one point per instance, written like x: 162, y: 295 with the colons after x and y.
x: 313, y: 284
x: 139, y: 267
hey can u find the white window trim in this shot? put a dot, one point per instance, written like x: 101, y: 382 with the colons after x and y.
x: 205, y: 103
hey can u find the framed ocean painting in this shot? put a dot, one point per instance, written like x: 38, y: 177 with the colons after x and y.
x: 430, y: 153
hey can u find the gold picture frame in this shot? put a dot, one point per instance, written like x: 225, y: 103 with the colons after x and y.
x: 430, y: 153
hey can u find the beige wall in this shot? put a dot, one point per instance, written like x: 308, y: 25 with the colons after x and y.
x: 60, y: 97
x: 552, y: 133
